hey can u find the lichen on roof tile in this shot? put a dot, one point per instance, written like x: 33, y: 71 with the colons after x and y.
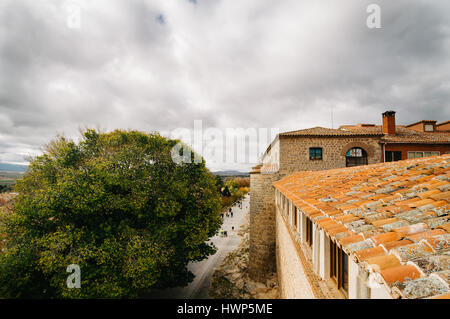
x: 421, y: 287
x: 412, y: 251
x: 444, y: 275
x: 367, y: 231
x: 397, y: 224
x: 435, y: 263
x: 355, y: 224
x: 370, y: 218
x: 436, y: 222
x: 426, y: 234
x: 359, y: 246
x: 400, y: 273
x: 439, y: 242
x: 411, y: 229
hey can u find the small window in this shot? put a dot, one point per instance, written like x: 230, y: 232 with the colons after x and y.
x: 315, y: 153
x: 356, y: 157
x: 392, y: 156
x: 429, y: 128
x: 355, y: 152
x: 422, y: 154
x: 339, y: 267
x: 415, y: 155
x: 426, y: 154
x: 309, y: 232
x: 295, y: 217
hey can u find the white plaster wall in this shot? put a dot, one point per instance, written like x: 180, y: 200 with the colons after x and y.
x: 293, y: 281
x: 380, y: 293
x: 303, y: 234
x: 316, y: 249
x: 353, y: 282
x: 324, y: 256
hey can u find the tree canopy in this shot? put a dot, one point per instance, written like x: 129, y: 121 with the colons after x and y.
x: 115, y: 204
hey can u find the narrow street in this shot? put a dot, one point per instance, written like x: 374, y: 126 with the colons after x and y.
x: 203, y: 270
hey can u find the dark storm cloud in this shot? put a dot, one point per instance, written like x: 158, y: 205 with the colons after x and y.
x: 160, y: 65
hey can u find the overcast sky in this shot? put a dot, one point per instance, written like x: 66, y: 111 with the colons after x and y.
x: 161, y: 64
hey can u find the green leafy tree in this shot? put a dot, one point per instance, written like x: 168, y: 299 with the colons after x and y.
x: 226, y: 192
x: 219, y: 183
x: 115, y: 204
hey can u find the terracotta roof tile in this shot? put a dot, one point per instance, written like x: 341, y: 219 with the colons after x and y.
x: 351, y: 239
x: 443, y: 296
x: 420, y: 288
x: 392, y: 217
x: 385, y: 237
x: 412, y: 251
x: 383, y: 262
x: 400, y: 274
x: 439, y: 242
x: 365, y: 244
x: 432, y: 264
x: 394, y: 244
x: 442, y: 196
x: 411, y: 229
x: 382, y: 222
x: 426, y: 234
x: 364, y: 254
x: 322, y: 131
x: 337, y: 230
x: 420, y: 203
x: 445, y: 227
x: 394, y: 225
x: 427, y: 194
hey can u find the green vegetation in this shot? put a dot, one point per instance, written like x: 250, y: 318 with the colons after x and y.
x: 232, y: 189
x: 8, y: 180
x: 116, y: 205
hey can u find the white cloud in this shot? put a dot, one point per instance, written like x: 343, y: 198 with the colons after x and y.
x: 160, y: 65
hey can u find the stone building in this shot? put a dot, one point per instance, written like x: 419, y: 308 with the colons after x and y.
x: 318, y: 149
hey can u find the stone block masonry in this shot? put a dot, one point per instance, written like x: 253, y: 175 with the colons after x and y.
x: 262, y: 261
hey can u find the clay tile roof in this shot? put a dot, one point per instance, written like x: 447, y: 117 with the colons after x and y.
x: 382, y: 262
x: 443, y: 296
x: 351, y: 239
x: 400, y: 274
x: 445, y: 227
x: 392, y: 217
x: 369, y: 252
x: 385, y: 237
x: 412, y: 251
x: 411, y: 229
x: 419, y: 288
x: 439, y: 242
x: 404, y: 135
x: 435, y: 263
x: 427, y: 234
x: 322, y: 131
x: 394, y: 244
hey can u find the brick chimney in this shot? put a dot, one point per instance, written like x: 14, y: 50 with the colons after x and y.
x: 389, y: 122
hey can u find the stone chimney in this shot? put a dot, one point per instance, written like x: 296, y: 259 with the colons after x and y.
x: 389, y: 122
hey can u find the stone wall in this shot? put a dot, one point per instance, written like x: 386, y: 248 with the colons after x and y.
x: 294, y: 152
x: 294, y: 157
x: 262, y: 226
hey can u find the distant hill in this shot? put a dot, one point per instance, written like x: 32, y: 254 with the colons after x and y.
x: 231, y: 173
x: 5, y: 167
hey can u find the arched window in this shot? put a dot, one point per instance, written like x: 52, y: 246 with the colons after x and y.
x: 355, y: 157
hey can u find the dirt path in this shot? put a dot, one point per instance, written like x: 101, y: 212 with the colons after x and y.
x: 203, y: 270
